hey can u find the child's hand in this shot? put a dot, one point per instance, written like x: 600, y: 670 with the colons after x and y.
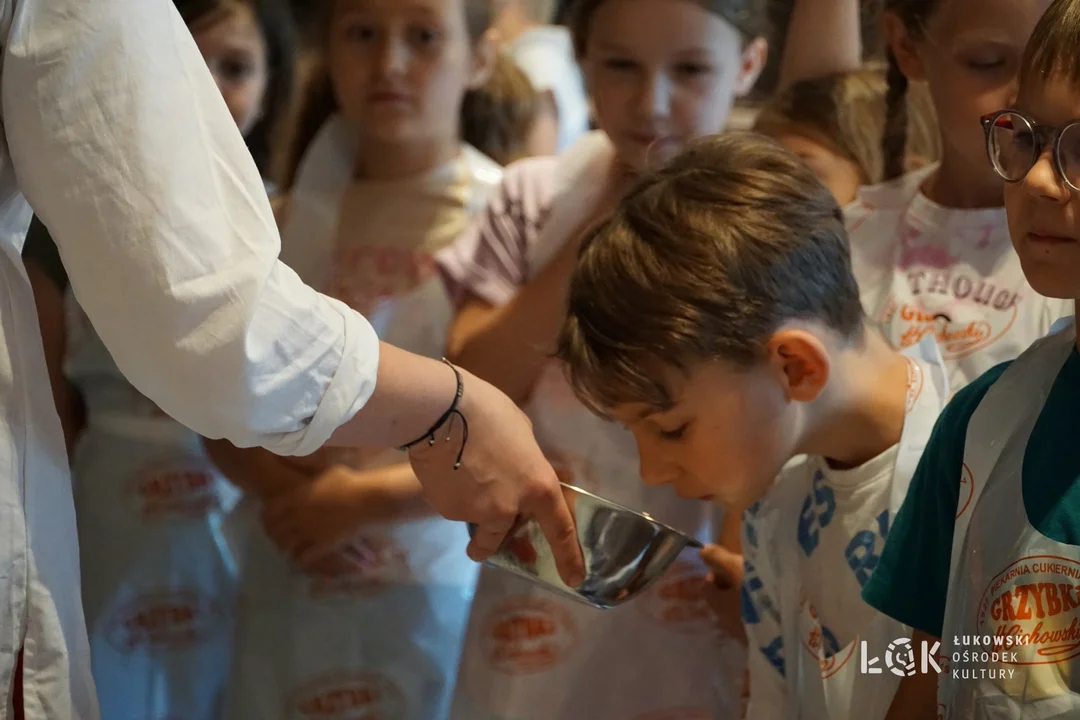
x: 321, y: 516
x: 723, y: 591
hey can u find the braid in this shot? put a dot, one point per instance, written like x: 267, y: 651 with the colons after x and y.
x: 894, y: 142
x: 914, y: 14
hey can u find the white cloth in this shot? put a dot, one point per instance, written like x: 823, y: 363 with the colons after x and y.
x: 532, y: 654
x: 546, y: 55
x: 159, y: 582
x: 118, y: 136
x: 381, y: 639
x: 924, y: 269
x: 809, y: 547
x: 1006, y: 579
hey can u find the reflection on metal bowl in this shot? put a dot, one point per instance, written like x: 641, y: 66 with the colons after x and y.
x: 624, y: 550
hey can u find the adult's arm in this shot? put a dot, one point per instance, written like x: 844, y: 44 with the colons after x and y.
x: 124, y: 147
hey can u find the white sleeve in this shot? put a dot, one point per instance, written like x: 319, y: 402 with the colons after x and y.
x: 764, y: 632
x: 123, y: 145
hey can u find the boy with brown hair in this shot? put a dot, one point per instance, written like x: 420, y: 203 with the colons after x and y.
x: 716, y: 316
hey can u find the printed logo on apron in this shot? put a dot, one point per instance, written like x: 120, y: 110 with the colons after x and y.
x: 527, y: 635
x: 1033, y: 605
x: 180, y: 488
x: 677, y: 600
x: 361, y: 695
x: 364, y: 274
x: 821, y: 644
x: 363, y: 569
x: 960, y: 329
x: 940, y: 296
x: 165, y: 620
x: 1012, y: 614
x: 967, y: 490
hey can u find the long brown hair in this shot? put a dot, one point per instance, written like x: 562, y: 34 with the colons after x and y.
x: 317, y: 101
x: 279, y: 33
x: 914, y: 14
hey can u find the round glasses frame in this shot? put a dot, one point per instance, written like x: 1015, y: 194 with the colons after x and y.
x: 1043, y: 136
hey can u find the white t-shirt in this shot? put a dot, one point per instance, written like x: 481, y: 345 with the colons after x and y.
x: 810, y: 545
x: 546, y: 55
x: 840, y: 505
x: 923, y: 268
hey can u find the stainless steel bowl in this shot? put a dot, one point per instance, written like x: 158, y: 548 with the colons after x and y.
x: 625, y: 551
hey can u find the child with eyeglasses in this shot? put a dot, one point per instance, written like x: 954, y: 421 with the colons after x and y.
x: 985, y: 552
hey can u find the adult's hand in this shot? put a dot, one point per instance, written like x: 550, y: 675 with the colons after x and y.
x: 503, y: 475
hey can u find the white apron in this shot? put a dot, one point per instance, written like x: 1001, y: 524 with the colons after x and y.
x: 831, y: 687
x: 1006, y: 578
x: 532, y: 654
x: 379, y: 637
x: 159, y: 581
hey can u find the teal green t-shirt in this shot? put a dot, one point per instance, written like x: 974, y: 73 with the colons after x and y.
x: 912, y: 579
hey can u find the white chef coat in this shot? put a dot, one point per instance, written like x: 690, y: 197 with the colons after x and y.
x: 117, y: 135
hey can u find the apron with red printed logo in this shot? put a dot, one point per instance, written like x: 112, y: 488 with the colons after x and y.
x: 1012, y: 614
x: 159, y: 580
x: 827, y: 685
x: 532, y: 654
x: 377, y: 631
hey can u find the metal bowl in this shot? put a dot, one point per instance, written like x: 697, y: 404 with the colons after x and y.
x: 624, y: 550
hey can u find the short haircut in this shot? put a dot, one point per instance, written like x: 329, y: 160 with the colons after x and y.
x: 704, y: 260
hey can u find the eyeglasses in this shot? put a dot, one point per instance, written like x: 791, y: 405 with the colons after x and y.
x: 1015, y: 143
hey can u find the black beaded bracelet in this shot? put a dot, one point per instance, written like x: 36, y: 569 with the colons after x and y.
x: 447, y: 416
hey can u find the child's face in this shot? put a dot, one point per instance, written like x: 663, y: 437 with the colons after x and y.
x: 664, y: 72
x: 400, y: 68
x: 836, y: 171
x: 235, y: 51
x: 725, y: 439
x: 969, y: 57
x: 1044, y: 221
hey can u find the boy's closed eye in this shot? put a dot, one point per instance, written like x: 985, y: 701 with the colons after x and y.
x: 675, y: 432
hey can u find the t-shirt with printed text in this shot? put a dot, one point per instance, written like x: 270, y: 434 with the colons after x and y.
x: 927, y: 269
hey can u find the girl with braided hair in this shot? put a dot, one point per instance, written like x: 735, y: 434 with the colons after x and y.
x: 930, y: 247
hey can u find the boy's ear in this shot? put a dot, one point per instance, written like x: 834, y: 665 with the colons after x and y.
x: 801, y: 362
x: 485, y: 52
x: 902, y: 44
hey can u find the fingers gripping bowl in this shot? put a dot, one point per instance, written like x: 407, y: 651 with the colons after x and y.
x: 624, y: 550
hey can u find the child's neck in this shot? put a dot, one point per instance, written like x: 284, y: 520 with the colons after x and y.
x: 863, y: 415
x: 400, y: 160
x: 955, y: 184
